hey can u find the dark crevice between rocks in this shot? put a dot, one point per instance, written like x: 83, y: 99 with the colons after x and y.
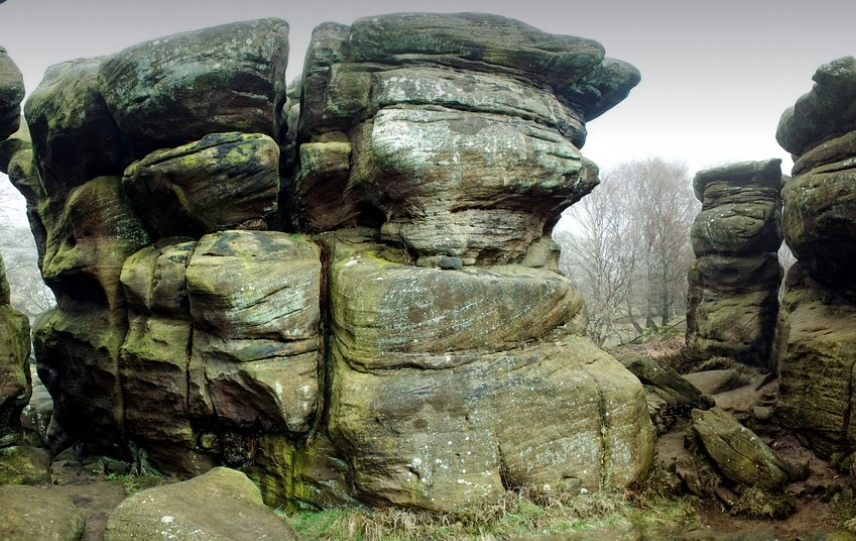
x: 604, y: 435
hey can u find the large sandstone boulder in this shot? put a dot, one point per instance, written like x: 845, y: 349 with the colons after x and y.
x: 174, y: 90
x: 11, y: 95
x: 733, y: 285
x: 255, y: 304
x: 439, y: 405
x: 74, y: 135
x: 224, y: 332
x: 33, y: 514
x: 224, y: 181
x: 222, y: 505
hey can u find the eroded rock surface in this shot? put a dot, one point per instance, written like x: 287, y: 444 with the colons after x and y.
x: 456, y: 137
x: 733, y: 285
x: 345, y: 288
x: 819, y: 306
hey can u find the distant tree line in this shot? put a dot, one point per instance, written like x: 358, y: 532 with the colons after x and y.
x: 627, y: 246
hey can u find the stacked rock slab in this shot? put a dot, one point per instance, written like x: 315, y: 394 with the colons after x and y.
x: 152, y: 149
x: 819, y: 306
x: 734, y: 282
x: 456, y: 364
x: 365, y: 308
x: 15, y: 385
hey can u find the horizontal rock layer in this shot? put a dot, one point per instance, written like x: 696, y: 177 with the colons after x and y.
x: 733, y: 285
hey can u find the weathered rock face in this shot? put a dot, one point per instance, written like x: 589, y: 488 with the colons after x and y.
x: 11, y: 95
x: 170, y: 91
x: 819, y: 306
x: 457, y: 137
x: 225, y: 181
x: 439, y: 404
x: 433, y: 357
x: 733, y: 285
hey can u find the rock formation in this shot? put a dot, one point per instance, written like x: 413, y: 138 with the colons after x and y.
x: 733, y: 285
x: 819, y: 306
x: 14, y: 326
x: 345, y: 288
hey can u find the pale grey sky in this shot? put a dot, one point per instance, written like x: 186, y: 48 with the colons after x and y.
x: 716, y: 76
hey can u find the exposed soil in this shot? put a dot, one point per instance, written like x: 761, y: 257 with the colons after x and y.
x: 91, y: 492
x: 814, y: 511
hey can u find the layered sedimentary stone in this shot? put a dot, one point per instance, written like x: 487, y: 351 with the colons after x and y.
x: 819, y: 305
x: 155, y: 356
x: 170, y: 91
x: 733, y: 285
x: 11, y: 95
x: 224, y: 181
x: 437, y: 402
x: 815, y: 391
x: 255, y: 305
x: 224, y: 335
x: 89, y: 235
x: 345, y: 368
x: 461, y: 141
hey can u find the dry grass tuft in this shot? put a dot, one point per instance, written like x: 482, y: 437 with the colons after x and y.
x: 516, y: 515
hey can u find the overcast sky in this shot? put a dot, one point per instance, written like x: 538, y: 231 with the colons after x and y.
x: 716, y: 76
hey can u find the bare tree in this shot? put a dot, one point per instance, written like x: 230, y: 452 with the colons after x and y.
x: 627, y: 245
x: 601, y: 252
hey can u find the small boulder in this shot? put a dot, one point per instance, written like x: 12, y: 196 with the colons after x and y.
x: 222, y: 505
x: 33, y: 514
x: 741, y: 455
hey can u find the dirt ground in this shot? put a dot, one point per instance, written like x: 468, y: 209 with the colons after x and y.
x: 91, y: 492
x: 814, y: 511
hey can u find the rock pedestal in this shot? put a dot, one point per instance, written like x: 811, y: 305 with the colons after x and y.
x: 347, y: 288
x: 819, y: 306
x: 733, y: 285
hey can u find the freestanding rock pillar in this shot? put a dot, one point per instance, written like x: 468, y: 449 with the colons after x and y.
x: 734, y: 283
x: 819, y: 307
